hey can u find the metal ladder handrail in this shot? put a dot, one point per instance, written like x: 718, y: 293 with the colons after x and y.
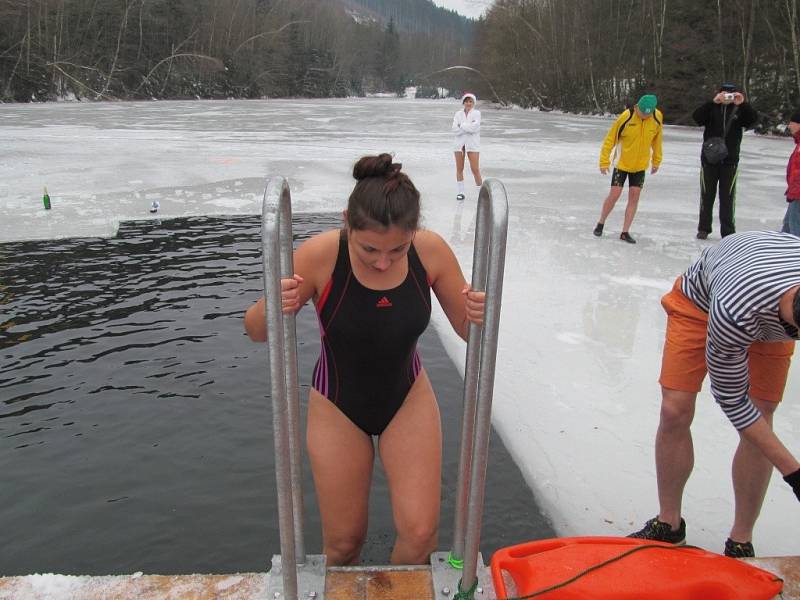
x: 277, y: 250
x: 488, y: 263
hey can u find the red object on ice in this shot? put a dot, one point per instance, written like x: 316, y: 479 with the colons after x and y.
x: 633, y: 569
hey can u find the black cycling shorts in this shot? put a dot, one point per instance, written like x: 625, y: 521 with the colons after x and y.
x: 619, y: 176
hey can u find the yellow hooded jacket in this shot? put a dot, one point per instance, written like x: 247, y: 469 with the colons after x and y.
x: 638, y: 137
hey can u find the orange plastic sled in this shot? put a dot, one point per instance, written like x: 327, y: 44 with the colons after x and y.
x: 636, y: 569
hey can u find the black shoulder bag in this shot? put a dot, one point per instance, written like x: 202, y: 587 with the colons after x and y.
x: 714, y: 148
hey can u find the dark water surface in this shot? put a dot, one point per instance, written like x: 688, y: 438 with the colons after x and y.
x: 135, y: 425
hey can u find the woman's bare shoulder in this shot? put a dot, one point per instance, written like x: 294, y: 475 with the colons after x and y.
x: 323, y: 241
x: 431, y: 248
x: 426, y: 238
x: 318, y: 253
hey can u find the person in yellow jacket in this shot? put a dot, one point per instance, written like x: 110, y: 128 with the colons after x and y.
x: 638, y: 133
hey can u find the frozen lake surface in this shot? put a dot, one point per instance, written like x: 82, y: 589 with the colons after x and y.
x: 576, y: 395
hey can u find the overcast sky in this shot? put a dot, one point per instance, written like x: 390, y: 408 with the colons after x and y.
x: 468, y: 8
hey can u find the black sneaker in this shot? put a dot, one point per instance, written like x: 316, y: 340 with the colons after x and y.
x: 662, y: 532
x: 739, y: 549
x: 702, y: 235
x: 460, y: 196
x: 626, y: 237
x: 598, y: 229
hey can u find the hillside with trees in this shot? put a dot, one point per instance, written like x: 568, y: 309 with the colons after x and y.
x: 416, y: 16
x: 591, y: 56
x: 134, y: 49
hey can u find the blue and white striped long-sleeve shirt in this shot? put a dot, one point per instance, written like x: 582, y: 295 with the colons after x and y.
x: 739, y: 283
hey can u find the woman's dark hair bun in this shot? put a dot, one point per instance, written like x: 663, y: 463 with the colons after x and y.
x: 374, y: 166
x: 383, y: 196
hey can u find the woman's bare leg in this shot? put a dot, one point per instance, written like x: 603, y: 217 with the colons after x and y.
x: 411, y: 453
x: 474, y: 165
x: 459, y: 154
x: 341, y: 457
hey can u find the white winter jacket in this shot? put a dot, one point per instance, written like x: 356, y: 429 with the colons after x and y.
x: 467, y: 128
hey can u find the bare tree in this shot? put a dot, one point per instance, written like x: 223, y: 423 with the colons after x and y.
x: 790, y: 6
x: 747, y: 29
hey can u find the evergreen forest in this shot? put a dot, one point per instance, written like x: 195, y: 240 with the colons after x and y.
x: 588, y: 56
x: 600, y: 55
x: 141, y: 49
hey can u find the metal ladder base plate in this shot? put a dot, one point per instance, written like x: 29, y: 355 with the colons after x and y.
x: 310, y: 579
x: 446, y: 577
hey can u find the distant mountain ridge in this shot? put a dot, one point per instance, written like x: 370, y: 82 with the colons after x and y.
x: 412, y: 16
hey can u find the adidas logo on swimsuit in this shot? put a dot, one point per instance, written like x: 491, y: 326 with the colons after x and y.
x: 384, y: 302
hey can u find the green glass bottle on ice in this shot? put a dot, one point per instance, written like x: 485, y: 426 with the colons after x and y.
x: 46, y: 199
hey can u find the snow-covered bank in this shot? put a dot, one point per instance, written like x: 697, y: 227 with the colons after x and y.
x: 576, y: 396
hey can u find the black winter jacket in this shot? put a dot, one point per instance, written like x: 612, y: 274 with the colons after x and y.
x: 713, y: 117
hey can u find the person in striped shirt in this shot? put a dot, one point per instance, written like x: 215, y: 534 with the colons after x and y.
x: 734, y: 313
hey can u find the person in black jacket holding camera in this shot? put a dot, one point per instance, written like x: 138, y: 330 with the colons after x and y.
x: 726, y: 116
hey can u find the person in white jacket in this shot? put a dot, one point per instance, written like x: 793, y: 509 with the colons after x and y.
x: 467, y: 127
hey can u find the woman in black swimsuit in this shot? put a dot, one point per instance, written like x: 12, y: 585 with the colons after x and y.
x: 371, y: 284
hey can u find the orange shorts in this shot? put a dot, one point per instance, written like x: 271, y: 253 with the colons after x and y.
x: 683, y: 363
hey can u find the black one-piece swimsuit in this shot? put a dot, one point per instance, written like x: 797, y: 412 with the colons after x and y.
x: 369, y: 358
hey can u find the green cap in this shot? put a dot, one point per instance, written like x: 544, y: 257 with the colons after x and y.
x: 647, y: 104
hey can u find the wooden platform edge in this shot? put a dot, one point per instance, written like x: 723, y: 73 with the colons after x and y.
x: 368, y: 583
x: 785, y: 567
